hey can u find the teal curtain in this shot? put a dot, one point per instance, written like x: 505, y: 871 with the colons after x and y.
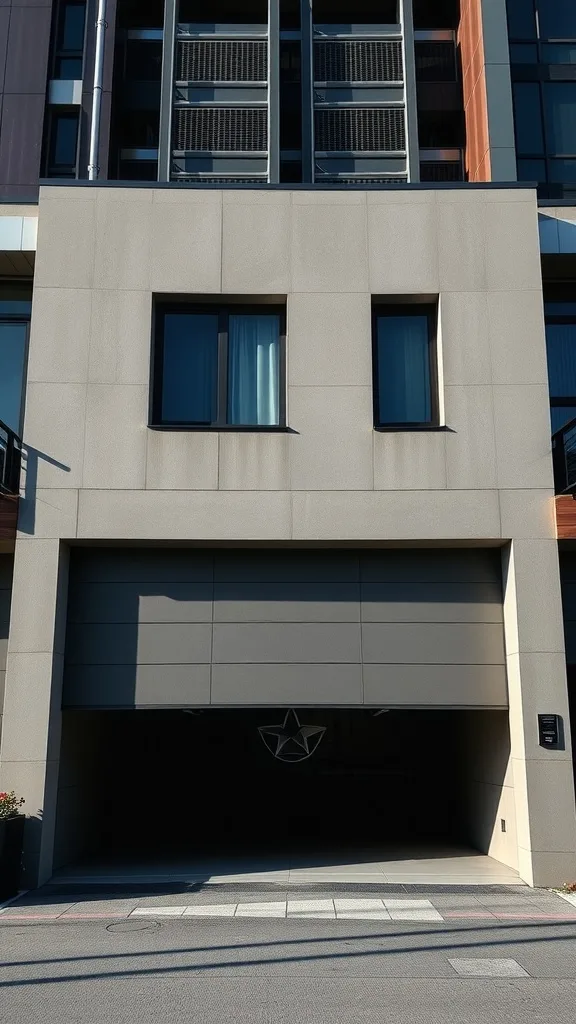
x: 404, y: 387
x: 253, y: 370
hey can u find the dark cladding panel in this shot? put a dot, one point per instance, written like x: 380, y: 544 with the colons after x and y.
x: 25, y: 32
x: 4, y: 22
x: 28, y: 48
x: 21, y: 142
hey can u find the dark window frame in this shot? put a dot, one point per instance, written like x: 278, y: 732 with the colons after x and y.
x: 21, y: 318
x: 59, y: 52
x: 551, y: 318
x: 54, y: 170
x: 430, y: 310
x: 223, y: 310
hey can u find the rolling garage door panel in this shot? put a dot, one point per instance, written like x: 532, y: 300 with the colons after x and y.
x: 150, y: 628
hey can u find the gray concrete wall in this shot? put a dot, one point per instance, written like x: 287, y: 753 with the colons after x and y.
x: 164, y: 628
x: 96, y: 472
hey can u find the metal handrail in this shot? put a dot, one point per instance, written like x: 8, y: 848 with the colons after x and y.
x: 10, y: 460
x: 564, y: 458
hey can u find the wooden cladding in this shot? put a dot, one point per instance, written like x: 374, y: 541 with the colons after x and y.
x: 8, y: 516
x: 566, y: 517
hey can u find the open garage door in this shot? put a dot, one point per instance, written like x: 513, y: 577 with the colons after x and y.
x: 230, y: 628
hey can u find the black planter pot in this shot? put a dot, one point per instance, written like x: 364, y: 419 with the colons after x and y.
x: 11, y: 839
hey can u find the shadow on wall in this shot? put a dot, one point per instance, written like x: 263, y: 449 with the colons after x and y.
x: 487, y: 785
x: 6, y: 567
x: 27, y: 509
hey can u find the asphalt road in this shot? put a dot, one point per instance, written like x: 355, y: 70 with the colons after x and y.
x: 149, y: 970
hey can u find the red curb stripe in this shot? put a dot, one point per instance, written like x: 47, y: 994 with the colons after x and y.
x: 58, y: 917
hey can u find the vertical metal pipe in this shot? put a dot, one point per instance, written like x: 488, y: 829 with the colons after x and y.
x: 273, y: 91
x: 167, y: 90
x: 410, y: 95
x: 307, y: 65
x: 93, y: 167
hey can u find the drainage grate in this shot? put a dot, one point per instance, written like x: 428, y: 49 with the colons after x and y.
x: 239, y: 129
x: 365, y: 182
x: 361, y: 61
x: 360, y: 130
x: 222, y: 60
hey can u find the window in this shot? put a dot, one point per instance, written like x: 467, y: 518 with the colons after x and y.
x: 15, y: 306
x: 557, y: 19
x: 521, y: 19
x: 218, y: 367
x: 561, y: 352
x: 528, y: 119
x: 69, y: 48
x: 560, y: 117
x: 62, y: 144
x: 405, y: 385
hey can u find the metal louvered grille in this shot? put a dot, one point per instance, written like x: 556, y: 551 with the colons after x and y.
x: 360, y: 130
x: 222, y: 60
x: 368, y: 182
x: 358, y: 61
x: 220, y: 129
x: 205, y: 180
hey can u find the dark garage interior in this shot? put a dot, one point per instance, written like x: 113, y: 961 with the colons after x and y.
x: 170, y: 783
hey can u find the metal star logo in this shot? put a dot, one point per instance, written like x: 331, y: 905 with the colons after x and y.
x: 292, y: 741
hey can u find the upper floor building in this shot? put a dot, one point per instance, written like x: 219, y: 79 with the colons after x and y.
x: 260, y: 91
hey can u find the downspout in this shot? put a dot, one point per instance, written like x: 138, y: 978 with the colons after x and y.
x: 93, y: 167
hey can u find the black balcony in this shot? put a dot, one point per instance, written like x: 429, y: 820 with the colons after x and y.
x: 10, y: 460
x: 564, y: 458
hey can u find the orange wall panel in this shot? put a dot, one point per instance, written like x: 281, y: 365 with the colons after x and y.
x: 471, y: 46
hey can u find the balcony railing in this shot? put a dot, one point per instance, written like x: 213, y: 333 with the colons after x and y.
x: 10, y: 460
x: 564, y: 458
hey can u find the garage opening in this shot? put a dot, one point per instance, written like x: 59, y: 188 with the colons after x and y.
x: 206, y: 793
x: 182, y: 664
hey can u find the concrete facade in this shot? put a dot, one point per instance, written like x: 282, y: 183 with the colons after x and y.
x: 97, y: 474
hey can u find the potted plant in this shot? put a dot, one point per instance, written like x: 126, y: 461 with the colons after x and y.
x: 11, y: 837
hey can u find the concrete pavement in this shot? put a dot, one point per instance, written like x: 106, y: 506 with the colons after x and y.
x: 120, y: 967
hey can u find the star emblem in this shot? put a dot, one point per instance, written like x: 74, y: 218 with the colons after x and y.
x: 292, y: 741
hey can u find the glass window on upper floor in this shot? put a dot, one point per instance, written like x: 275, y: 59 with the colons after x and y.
x: 15, y: 306
x: 405, y: 379
x: 542, y: 19
x: 62, y: 144
x: 561, y: 353
x: 218, y: 367
x: 545, y: 132
x: 69, y: 40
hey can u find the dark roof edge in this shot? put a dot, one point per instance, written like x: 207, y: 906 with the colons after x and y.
x: 417, y: 186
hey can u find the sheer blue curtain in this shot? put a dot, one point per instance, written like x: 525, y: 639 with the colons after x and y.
x: 404, y: 389
x: 190, y: 370
x: 253, y: 369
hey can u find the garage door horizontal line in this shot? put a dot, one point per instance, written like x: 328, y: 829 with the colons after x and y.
x: 223, y: 706
x: 198, y: 621
x: 307, y: 664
